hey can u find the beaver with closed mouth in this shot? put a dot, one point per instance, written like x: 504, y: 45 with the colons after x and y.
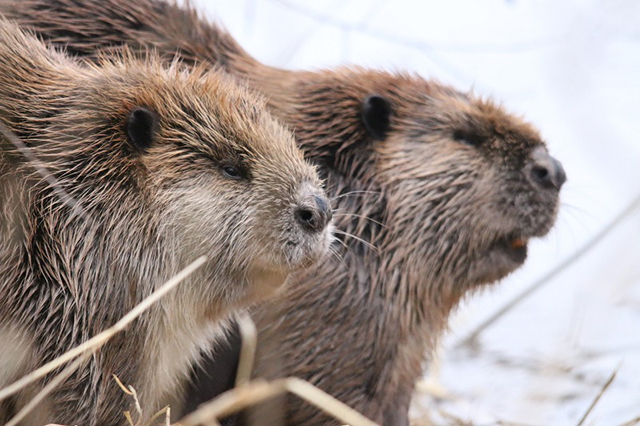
x: 147, y: 168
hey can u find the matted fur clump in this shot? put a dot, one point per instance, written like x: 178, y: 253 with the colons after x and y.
x: 140, y: 170
x: 437, y: 190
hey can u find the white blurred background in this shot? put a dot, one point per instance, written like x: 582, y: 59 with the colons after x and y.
x: 572, y: 68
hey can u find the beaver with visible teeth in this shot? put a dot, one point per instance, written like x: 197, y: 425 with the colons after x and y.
x: 437, y: 193
x: 147, y: 169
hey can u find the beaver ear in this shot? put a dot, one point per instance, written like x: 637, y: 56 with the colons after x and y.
x: 141, y: 128
x: 376, y: 115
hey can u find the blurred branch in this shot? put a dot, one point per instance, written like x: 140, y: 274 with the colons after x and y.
x: 304, y: 38
x: 586, y: 248
x: 363, y: 27
x: 632, y: 422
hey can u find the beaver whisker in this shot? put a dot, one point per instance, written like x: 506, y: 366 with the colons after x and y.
x: 570, y: 208
x: 334, y: 252
x: 352, y: 193
x: 343, y: 244
x: 367, y: 243
x: 359, y: 216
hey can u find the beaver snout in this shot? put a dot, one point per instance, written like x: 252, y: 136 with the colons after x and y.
x: 545, y: 170
x: 313, y: 212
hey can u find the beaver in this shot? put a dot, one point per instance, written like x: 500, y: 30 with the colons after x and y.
x: 154, y: 167
x: 437, y: 193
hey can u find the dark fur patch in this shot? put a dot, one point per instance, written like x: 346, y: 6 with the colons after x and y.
x: 227, y: 363
x: 468, y: 137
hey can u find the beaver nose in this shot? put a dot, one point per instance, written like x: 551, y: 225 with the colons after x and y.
x: 315, y: 214
x: 546, y: 170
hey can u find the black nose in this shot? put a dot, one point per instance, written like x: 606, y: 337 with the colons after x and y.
x: 315, y: 216
x: 546, y: 170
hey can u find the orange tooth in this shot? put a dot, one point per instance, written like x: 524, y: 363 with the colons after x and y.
x: 518, y: 243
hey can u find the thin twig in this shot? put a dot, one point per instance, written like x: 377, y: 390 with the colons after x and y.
x: 101, y: 338
x: 597, y: 398
x: 588, y: 246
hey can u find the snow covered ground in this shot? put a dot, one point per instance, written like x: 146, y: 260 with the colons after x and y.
x: 572, y: 68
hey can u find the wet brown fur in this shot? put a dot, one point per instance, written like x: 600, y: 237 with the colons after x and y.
x: 128, y: 217
x: 429, y: 203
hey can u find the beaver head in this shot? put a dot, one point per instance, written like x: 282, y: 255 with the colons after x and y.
x: 190, y: 157
x: 224, y: 177
x: 458, y: 184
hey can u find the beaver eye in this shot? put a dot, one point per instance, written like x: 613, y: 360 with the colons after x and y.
x: 231, y: 172
x: 467, y: 138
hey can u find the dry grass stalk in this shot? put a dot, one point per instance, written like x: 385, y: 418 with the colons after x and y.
x: 597, y: 398
x: 248, y: 349
x: 258, y: 391
x: 247, y: 393
x: 326, y: 402
x: 233, y: 401
x: 632, y: 422
x: 101, y: 338
x: 132, y: 392
x: 55, y: 382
